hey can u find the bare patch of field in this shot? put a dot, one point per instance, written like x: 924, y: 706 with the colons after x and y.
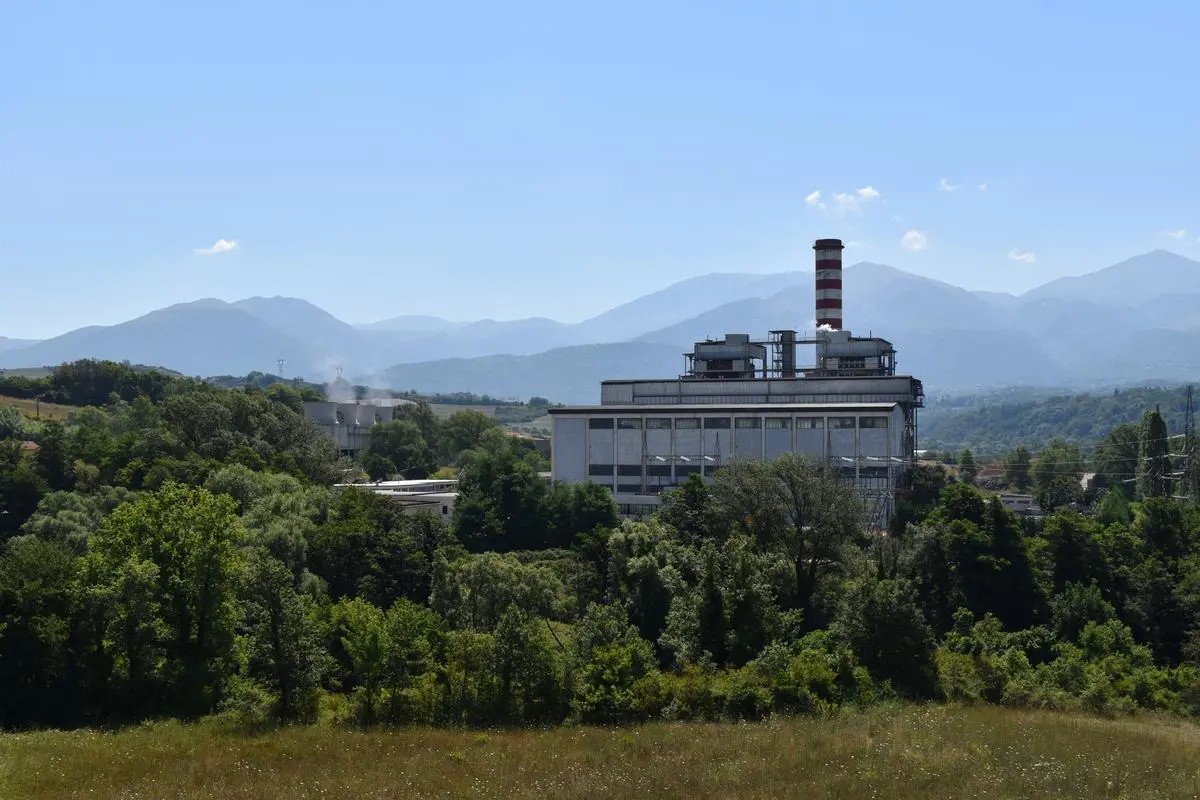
x: 33, y: 408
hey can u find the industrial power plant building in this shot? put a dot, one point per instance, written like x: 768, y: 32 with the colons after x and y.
x: 350, y: 423
x: 740, y: 398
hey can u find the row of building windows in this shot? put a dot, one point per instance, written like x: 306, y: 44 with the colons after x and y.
x: 658, y: 473
x: 674, y: 399
x: 741, y: 423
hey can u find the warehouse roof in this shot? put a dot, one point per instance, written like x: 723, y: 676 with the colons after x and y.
x: 665, y: 408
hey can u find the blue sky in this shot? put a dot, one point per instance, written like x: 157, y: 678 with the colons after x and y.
x: 541, y: 158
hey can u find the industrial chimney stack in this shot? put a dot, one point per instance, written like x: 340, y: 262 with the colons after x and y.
x: 829, y: 282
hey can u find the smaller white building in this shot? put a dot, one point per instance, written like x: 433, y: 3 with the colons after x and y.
x: 437, y: 496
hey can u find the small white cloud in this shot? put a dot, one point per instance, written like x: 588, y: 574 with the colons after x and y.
x: 898, y: 218
x: 814, y: 199
x: 1024, y: 258
x: 845, y: 202
x: 914, y: 240
x: 222, y: 246
x: 1178, y: 235
x: 983, y: 187
x: 946, y: 186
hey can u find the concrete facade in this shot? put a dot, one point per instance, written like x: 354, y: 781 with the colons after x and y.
x: 350, y: 423
x: 639, y: 451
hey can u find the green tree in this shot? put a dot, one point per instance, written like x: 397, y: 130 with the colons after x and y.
x: 12, y: 423
x: 463, y: 431
x: 39, y: 603
x: 967, y: 467
x: 402, y: 444
x: 577, y: 509
x: 1117, y: 457
x: 421, y: 414
x: 1059, y: 459
x: 182, y: 542
x: 283, y: 639
x: 800, y: 508
x: 526, y: 669
x: 882, y: 622
x: 502, y: 499
x: 1018, y: 467
x: 1154, y: 460
x: 691, y: 511
x: 365, y: 641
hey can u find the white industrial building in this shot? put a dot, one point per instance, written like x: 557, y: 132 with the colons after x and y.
x: 435, y: 495
x: 350, y: 423
x: 740, y: 398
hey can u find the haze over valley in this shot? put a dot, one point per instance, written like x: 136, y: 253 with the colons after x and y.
x: 1134, y: 322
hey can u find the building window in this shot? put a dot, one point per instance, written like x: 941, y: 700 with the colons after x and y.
x: 600, y: 423
x: 841, y: 422
x: 629, y: 423
x: 716, y: 423
x: 809, y: 423
x: 627, y: 470
x: 658, y: 424
x: 687, y: 423
x: 445, y: 510
x: 872, y: 422
x: 748, y: 423
x: 852, y: 362
x: 629, y: 488
x: 778, y: 423
x: 600, y: 469
x: 683, y: 470
x: 711, y: 469
x: 658, y: 470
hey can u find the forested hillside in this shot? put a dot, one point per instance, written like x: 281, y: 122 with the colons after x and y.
x: 996, y: 423
x: 182, y: 552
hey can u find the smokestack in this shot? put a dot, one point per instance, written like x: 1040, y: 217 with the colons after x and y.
x: 829, y: 282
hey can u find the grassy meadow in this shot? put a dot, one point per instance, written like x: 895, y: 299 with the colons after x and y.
x: 31, y: 408
x: 444, y: 411
x: 897, y: 753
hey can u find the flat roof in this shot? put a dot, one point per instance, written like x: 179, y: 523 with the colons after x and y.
x: 405, y: 484
x: 666, y: 408
x: 801, y: 378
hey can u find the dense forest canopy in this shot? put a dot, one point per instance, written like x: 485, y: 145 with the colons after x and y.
x: 179, y: 549
x: 995, y: 424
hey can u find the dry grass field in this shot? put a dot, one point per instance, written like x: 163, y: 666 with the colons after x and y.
x: 31, y: 408
x: 446, y: 410
x: 899, y: 753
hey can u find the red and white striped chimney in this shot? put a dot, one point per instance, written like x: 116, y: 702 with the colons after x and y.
x: 829, y: 282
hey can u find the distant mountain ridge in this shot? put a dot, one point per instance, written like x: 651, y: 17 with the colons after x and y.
x: 1136, y: 321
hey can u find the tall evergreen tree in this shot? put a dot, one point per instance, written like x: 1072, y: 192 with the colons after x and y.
x: 967, y: 467
x: 1154, y: 460
x: 1017, y: 466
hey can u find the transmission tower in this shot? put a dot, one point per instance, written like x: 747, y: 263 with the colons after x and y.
x: 281, y: 363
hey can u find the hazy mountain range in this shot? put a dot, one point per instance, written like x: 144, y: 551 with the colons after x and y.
x: 1133, y: 322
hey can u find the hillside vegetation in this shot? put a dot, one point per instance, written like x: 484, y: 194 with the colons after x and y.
x: 184, y: 554
x: 908, y: 753
x: 995, y: 423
